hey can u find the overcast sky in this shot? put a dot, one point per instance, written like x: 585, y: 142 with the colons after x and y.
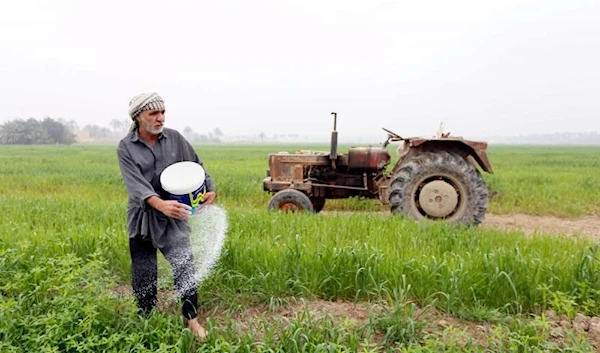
x: 482, y: 67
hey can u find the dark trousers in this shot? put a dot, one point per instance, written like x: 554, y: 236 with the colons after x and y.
x: 144, y: 268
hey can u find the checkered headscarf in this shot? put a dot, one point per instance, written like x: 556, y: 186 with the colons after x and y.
x: 145, y: 101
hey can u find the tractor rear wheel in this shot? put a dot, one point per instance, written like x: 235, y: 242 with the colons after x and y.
x: 318, y: 203
x: 440, y: 186
x: 290, y: 200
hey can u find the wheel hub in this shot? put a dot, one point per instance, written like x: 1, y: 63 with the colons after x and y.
x: 290, y: 207
x: 438, y: 198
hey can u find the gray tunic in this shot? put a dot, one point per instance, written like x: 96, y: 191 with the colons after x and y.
x: 141, y: 165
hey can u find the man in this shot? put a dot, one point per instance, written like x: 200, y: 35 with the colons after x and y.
x: 153, y: 221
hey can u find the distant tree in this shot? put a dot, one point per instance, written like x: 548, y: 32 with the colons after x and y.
x: 32, y: 131
x: 53, y: 130
x: 97, y: 132
x: 262, y: 136
x: 120, y: 126
x: 188, y: 132
x: 218, y: 133
x: 92, y: 130
x: 104, y: 133
x: 72, y: 125
x: 116, y: 125
x: 125, y: 126
x: 194, y: 137
x: 201, y: 138
x: 22, y: 132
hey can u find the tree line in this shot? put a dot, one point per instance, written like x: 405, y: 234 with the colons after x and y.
x: 36, y: 132
x: 59, y: 131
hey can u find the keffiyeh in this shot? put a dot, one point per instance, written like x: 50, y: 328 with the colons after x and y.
x: 145, y: 101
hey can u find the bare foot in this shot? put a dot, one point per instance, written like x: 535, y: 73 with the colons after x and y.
x: 197, y: 329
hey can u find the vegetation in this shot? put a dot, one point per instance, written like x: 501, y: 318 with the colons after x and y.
x: 35, y: 132
x: 63, y: 258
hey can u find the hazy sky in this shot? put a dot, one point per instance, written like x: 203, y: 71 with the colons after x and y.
x: 275, y: 66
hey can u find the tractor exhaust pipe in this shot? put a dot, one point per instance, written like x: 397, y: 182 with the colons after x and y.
x: 334, y: 141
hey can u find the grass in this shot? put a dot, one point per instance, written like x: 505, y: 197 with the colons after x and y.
x: 63, y: 245
x: 558, y: 181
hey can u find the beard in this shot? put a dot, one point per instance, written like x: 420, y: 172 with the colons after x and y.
x: 151, y: 128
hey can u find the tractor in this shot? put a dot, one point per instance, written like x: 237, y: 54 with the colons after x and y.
x: 434, y: 178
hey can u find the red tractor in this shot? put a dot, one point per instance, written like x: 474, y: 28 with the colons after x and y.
x: 434, y: 178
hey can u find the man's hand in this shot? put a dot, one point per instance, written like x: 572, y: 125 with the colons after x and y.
x: 209, y: 198
x: 170, y: 208
x: 175, y: 209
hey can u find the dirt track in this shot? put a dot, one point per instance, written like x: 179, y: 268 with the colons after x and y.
x: 588, y: 226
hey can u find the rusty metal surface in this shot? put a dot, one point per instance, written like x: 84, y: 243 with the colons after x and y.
x: 362, y: 170
x: 274, y: 186
x: 384, y: 195
x: 302, y: 158
x: 298, y: 175
x: 476, y: 149
x: 293, y: 167
x: 368, y: 158
x: 284, y: 167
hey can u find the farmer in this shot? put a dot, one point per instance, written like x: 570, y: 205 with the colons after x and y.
x: 153, y: 221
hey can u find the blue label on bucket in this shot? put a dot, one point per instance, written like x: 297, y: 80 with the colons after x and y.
x: 192, y: 199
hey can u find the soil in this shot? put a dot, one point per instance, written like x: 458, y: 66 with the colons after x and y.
x: 588, y: 226
x: 353, y: 316
x: 357, y: 316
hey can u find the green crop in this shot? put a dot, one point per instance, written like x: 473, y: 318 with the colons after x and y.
x: 63, y: 254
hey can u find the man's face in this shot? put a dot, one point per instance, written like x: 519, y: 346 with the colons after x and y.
x: 152, y: 121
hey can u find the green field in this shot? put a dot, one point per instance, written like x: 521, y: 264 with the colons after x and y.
x: 63, y: 253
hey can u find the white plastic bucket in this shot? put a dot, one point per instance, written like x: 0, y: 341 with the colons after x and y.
x: 185, y: 182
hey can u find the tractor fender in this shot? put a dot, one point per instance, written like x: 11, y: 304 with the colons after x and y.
x: 475, y: 149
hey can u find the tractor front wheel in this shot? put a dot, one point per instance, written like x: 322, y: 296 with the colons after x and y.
x: 440, y: 186
x: 290, y: 200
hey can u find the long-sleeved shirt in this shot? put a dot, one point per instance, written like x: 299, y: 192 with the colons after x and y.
x: 141, y: 165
